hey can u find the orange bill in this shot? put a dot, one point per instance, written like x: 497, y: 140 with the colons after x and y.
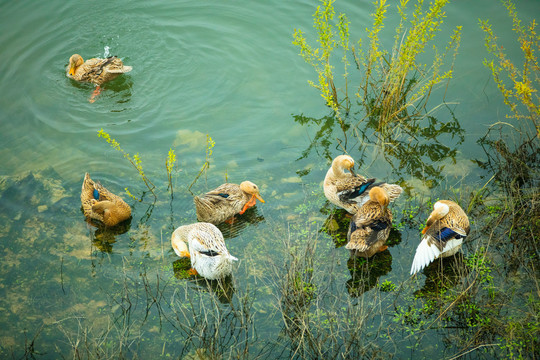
x: 259, y: 198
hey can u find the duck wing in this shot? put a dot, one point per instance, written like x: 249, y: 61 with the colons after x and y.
x: 353, y: 189
x: 438, y: 239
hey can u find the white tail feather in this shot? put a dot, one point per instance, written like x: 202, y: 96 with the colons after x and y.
x: 425, y: 254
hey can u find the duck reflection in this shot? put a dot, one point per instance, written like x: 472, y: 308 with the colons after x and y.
x: 119, y: 90
x: 223, y: 289
x: 240, y: 222
x: 365, y: 272
x: 441, y: 275
x: 104, y: 237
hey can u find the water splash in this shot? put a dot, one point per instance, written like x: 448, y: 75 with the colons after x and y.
x: 107, y: 53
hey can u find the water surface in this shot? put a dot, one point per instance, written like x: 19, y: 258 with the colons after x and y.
x: 226, y: 69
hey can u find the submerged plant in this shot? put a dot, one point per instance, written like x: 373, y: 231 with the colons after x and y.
x: 135, y: 161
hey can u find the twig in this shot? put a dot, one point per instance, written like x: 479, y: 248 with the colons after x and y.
x: 476, y: 348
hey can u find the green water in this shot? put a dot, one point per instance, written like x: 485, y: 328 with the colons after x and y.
x: 227, y: 69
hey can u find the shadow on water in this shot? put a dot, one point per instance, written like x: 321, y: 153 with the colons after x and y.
x: 509, y: 203
x: 336, y: 225
x: 365, y: 273
x: 223, y: 289
x: 442, y: 275
x: 118, y: 90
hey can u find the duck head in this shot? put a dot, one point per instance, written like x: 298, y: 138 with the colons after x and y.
x: 75, y: 61
x: 379, y: 195
x: 250, y: 188
x: 439, y: 211
x: 343, y: 162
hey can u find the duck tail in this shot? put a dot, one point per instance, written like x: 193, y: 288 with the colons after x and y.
x: 392, y: 190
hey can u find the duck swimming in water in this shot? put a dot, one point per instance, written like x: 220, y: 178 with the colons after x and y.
x: 95, y: 70
x: 100, y: 204
x: 225, y: 201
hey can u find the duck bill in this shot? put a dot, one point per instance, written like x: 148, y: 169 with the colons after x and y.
x: 259, y: 198
x: 72, y: 70
x: 425, y: 229
x: 352, y: 171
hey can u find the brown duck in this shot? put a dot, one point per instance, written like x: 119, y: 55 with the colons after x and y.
x: 225, y: 201
x: 370, y: 226
x: 95, y: 70
x: 100, y: 204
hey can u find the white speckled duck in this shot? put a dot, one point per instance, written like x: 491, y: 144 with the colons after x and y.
x: 207, y: 251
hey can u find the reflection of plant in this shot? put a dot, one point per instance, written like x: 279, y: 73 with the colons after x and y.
x: 135, y: 161
x: 524, y: 82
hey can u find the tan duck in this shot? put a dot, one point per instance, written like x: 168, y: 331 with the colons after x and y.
x: 207, y: 251
x: 98, y: 203
x: 349, y: 190
x: 443, y: 235
x: 370, y: 226
x: 95, y: 70
x: 226, y: 201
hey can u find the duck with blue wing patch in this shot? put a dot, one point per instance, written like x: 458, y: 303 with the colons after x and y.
x: 225, y: 201
x: 349, y: 190
x: 446, y: 227
x: 370, y: 226
x: 100, y: 204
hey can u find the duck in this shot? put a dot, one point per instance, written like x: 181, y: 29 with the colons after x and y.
x: 225, y: 201
x: 100, y: 204
x: 349, y: 190
x: 95, y: 70
x: 207, y: 251
x: 446, y: 227
x: 370, y: 226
